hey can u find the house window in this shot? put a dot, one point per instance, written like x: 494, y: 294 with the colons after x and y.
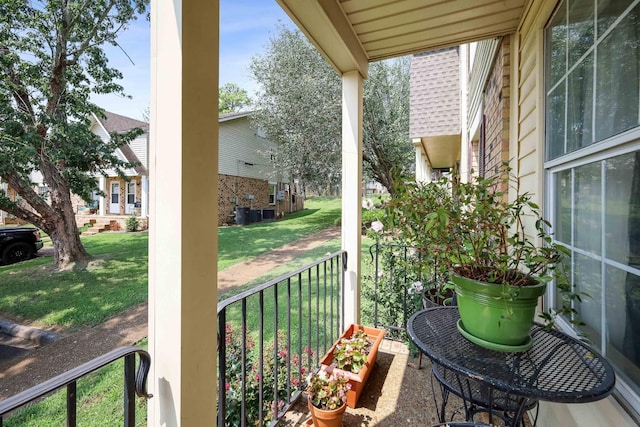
x: 592, y: 152
x: 272, y: 193
x: 131, y: 193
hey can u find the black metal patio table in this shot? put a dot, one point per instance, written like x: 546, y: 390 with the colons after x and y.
x: 556, y: 368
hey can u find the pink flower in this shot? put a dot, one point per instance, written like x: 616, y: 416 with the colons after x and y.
x: 377, y: 226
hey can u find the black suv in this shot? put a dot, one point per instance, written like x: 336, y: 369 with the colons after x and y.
x: 18, y: 244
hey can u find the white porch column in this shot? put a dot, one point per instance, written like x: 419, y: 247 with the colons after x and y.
x: 101, y: 201
x: 351, y: 190
x: 184, y: 186
x: 144, y: 203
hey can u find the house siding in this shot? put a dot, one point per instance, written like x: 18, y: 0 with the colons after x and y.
x: 241, y: 151
x: 139, y: 147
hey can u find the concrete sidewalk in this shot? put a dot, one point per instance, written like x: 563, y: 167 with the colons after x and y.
x: 130, y: 327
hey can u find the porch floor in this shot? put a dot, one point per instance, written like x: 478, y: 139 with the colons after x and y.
x: 396, y: 394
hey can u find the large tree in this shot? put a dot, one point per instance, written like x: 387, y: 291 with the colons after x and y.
x: 299, y: 106
x: 51, y: 61
x: 387, y: 152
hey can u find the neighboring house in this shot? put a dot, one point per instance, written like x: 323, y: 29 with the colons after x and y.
x: 247, y: 179
x: 124, y: 197
x: 568, y: 121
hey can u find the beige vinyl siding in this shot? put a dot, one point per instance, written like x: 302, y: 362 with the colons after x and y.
x: 139, y: 147
x: 528, y: 105
x: 239, y: 144
x: 529, y: 100
x: 483, y: 59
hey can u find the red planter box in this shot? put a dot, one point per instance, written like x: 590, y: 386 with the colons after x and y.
x: 358, y: 380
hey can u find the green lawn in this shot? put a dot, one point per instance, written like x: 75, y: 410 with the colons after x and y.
x: 237, y: 244
x: 117, y: 277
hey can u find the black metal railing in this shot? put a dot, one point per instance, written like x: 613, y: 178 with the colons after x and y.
x: 134, y: 384
x: 272, y: 336
x: 396, y: 293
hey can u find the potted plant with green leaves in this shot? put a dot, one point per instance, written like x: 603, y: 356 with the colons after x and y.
x: 327, y: 397
x: 497, y: 251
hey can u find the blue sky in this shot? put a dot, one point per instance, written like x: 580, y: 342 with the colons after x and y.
x: 245, y: 28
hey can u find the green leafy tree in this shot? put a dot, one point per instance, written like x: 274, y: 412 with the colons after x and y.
x: 232, y: 99
x: 51, y: 61
x: 387, y: 153
x: 299, y: 107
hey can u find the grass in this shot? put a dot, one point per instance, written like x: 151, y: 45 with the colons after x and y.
x: 117, y: 278
x: 237, y: 244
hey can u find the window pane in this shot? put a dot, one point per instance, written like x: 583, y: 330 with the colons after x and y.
x: 608, y: 12
x: 588, y: 279
x: 588, y: 208
x: 581, y: 23
x: 622, y: 215
x: 557, y: 46
x: 623, y: 323
x: 562, y: 223
x: 580, y: 106
x: 555, y: 122
x: 618, y: 78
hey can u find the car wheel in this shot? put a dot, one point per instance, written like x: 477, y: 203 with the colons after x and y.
x: 17, y: 252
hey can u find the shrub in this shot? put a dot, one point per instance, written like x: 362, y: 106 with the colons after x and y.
x: 132, y: 223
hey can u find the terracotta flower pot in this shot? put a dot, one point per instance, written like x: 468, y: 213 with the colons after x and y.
x: 358, y: 380
x: 326, y: 418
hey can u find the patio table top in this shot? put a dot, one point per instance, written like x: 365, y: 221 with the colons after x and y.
x: 556, y: 368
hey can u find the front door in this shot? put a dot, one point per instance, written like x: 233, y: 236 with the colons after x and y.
x: 114, y: 205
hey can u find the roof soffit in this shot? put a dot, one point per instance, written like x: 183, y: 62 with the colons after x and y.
x: 348, y: 32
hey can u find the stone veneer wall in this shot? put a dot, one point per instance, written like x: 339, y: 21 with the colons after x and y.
x: 496, y: 110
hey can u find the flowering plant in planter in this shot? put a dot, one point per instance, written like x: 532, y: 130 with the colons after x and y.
x: 328, y: 391
x: 350, y: 354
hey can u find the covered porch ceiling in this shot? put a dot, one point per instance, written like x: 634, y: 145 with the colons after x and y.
x: 352, y: 33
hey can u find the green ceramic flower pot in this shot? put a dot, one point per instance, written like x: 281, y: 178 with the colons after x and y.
x: 498, y: 322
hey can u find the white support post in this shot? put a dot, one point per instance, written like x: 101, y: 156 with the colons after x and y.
x: 183, y: 167
x: 144, y: 203
x: 352, y: 83
x: 102, y: 200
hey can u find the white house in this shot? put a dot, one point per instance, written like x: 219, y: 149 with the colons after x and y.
x: 247, y: 178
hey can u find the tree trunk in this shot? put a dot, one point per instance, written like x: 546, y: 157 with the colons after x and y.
x: 66, y: 241
x: 60, y: 222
